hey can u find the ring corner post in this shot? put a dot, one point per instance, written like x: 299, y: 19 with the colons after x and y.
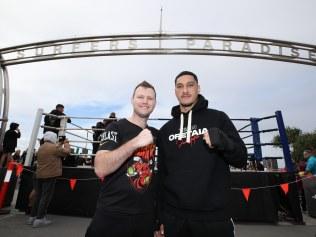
x: 256, y: 139
x: 34, y: 134
x: 284, y: 142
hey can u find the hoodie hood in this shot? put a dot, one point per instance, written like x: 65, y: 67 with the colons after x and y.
x: 201, y: 104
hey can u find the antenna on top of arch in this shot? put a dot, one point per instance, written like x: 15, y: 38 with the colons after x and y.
x: 160, y: 24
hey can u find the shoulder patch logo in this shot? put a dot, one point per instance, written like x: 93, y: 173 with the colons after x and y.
x: 108, y: 136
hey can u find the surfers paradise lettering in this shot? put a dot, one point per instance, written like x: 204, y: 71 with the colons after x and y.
x: 204, y: 44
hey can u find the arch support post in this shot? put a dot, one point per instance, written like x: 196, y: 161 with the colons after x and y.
x: 4, y: 100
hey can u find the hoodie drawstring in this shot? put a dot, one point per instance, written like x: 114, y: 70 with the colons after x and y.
x: 189, y: 127
x: 181, y: 127
x: 188, y: 138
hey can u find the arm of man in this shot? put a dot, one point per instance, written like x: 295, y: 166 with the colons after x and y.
x: 106, y: 162
x: 18, y: 133
x: 228, y: 142
x: 46, y: 120
x: 64, y: 150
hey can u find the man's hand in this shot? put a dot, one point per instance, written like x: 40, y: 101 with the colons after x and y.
x: 301, y: 173
x: 106, y: 162
x: 144, y: 138
x: 66, y: 145
x: 160, y: 233
x: 206, y: 138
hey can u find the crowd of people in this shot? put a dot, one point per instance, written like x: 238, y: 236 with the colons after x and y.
x: 182, y: 191
x: 48, y: 160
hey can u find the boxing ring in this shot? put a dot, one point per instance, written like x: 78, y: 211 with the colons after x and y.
x: 84, y: 135
x: 264, y: 205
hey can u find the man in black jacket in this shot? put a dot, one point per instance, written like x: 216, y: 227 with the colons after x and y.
x: 97, y: 133
x: 9, y: 143
x: 53, y: 121
x: 195, y: 149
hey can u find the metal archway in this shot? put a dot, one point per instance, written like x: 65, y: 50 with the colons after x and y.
x: 149, y: 44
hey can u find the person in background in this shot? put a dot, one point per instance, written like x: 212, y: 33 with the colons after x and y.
x: 97, y: 133
x: 49, y: 167
x: 309, y: 155
x: 9, y: 143
x: 96, y: 136
x: 17, y: 156
x: 52, y: 121
x: 301, y: 166
x: 308, y: 181
x: 112, y: 118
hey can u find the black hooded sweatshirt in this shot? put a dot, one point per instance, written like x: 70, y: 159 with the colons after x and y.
x: 195, y: 179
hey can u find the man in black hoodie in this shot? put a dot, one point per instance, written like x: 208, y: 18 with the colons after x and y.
x: 195, y: 149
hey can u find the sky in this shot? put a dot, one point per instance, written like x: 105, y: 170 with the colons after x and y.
x: 94, y: 87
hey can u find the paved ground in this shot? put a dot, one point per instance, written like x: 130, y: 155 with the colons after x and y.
x: 13, y: 225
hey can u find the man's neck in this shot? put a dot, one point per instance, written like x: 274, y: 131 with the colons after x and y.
x: 185, y: 109
x: 139, y: 121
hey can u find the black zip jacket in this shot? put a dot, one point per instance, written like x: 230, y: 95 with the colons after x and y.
x: 195, y: 179
x: 53, y: 121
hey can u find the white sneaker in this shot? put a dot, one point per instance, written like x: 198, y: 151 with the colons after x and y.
x: 41, y: 222
x: 30, y: 220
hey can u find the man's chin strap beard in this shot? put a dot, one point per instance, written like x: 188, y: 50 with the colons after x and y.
x: 187, y: 106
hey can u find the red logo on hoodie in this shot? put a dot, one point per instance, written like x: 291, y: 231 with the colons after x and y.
x: 182, y: 142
